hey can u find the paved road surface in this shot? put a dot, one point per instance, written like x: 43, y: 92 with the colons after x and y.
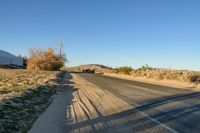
x: 176, y: 110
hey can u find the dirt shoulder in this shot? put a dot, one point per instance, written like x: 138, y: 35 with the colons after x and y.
x: 76, y: 106
x: 168, y: 83
x: 82, y: 107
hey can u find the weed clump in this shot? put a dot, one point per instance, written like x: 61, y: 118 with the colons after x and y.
x: 125, y: 70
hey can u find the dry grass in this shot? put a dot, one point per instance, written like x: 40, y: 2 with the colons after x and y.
x: 124, y: 70
x: 24, y: 95
x: 18, y: 80
x: 145, y: 71
x: 164, y: 74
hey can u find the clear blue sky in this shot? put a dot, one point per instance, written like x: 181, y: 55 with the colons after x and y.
x: 161, y: 33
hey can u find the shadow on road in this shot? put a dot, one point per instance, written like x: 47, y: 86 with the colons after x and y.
x: 18, y: 112
x: 180, y: 112
x: 177, y: 111
x: 53, y: 120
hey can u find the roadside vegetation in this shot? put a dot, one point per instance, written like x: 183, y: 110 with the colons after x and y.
x: 24, y: 60
x: 23, y: 96
x: 25, y: 93
x: 162, y: 74
x: 45, y: 60
x: 167, y: 74
x: 145, y: 71
x: 124, y: 70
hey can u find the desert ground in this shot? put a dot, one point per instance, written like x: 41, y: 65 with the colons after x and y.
x: 95, y: 103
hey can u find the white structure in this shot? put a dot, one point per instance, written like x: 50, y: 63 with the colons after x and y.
x: 7, y: 59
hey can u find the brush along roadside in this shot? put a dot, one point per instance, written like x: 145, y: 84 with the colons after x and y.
x: 19, y: 108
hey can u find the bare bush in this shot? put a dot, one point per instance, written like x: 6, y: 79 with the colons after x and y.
x: 24, y: 59
x: 45, y: 60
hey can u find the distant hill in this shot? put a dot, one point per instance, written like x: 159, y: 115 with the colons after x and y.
x: 96, y: 68
x: 9, y: 60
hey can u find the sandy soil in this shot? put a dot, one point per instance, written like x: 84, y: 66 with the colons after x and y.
x: 169, y: 83
x: 80, y: 106
x: 90, y: 102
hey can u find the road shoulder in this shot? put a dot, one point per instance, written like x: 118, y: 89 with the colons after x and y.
x: 167, y: 83
x: 82, y: 107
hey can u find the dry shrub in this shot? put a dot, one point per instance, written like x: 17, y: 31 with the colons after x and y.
x: 195, y: 78
x: 45, y: 60
x: 125, y: 70
x: 166, y: 74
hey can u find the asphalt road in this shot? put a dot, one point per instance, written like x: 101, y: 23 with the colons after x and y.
x: 176, y: 110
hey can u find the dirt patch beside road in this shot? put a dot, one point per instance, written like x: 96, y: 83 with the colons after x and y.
x: 79, y: 106
x: 82, y: 107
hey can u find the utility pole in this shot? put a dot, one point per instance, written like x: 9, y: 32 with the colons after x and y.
x: 61, y: 47
x: 62, y: 55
